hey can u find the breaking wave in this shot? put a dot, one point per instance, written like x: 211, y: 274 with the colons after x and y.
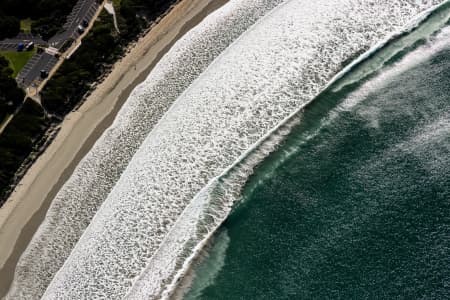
x: 79, y: 199
x: 177, y: 186
x: 212, y: 205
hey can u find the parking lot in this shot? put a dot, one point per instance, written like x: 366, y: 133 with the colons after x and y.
x: 11, y: 44
x: 8, y: 46
x: 84, y: 10
x: 32, y: 70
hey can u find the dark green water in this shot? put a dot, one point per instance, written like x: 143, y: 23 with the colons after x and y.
x: 361, y: 210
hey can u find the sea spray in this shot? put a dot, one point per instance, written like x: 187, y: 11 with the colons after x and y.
x: 209, y: 263
x: 415, y: 34
x: 215, y: 201
x: 78, y: 200
x: 201, y: 218
x: 360, y: 210
x: 253, y: 85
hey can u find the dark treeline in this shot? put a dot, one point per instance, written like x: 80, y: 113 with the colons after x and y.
x: 11, y: 96
x: 9, y: 26
x: 17, y: 141
x: 100, y: 48
x: 48, y: 15
x: 74, y: 77
x: 36, y: 9
x: 135, y: 14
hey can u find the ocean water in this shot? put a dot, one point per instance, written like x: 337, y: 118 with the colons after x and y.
x: 79, y: 199
x: 355, y: 203
x: 271, y: 70
x: 160, y: 181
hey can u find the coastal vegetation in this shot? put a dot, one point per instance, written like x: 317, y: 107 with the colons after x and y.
x: 9, y: 26
x: 17, y: 60
x: 134, y: 15
x: 25, y: 25
x: 47, y: 16
x: 102, y: 46
x: 74, y: 78
x: 18, y: 140
x: 10, y: 94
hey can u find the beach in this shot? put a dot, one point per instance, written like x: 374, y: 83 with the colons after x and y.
x: 25, y: 209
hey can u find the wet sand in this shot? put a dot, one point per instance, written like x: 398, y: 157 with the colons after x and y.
x: 25, y: 209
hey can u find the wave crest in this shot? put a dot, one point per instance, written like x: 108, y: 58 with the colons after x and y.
x: 275, y: 67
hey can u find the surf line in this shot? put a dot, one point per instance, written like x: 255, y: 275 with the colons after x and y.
x: 421, y: 27
x: 211, y: 206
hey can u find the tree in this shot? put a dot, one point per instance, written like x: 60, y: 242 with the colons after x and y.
x: 9, y: 26
x: 11, y: 95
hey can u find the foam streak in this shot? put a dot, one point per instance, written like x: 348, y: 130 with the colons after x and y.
x: 275, y: 67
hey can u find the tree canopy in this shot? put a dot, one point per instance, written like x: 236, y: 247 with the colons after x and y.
x: 10, y: 94
x: 48, y: 15
x: 9, y: 26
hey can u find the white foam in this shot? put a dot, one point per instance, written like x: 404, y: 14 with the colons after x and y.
x: 414, y: 58
x: 385, y: 51
x: 278, y: 65
x: 211, y: 268
x: 78, y: 200
x: 204, y: 214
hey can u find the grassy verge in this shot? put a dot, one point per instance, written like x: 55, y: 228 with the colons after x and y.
x: 17, y: 142
x: 25, y: 25
x: 11, y: 96
x: 17, y: 60
x: 116, y: 4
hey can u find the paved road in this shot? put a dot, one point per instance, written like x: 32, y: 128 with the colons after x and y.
x: 11, y: 44
x: 32, y: 70
x: 84, y: 10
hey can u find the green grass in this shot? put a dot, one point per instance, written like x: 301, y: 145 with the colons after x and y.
x: 17, y: 60
x: 25, y: 25
x: 116, y: 4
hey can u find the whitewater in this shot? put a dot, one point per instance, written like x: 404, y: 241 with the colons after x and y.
x: 273, y: 68
x: 288, y: 261
x: 79, y: 199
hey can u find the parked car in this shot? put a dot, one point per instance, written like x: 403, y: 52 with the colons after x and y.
x: 44, y: 74
x: 80, y: 29
x: 29, y: 46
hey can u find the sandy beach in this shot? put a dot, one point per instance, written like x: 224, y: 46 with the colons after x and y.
x: 25, y: 209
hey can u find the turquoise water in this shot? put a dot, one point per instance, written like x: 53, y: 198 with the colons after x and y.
x: 356, y: 203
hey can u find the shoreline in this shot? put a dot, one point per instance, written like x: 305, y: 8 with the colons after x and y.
x: 26, y: 207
